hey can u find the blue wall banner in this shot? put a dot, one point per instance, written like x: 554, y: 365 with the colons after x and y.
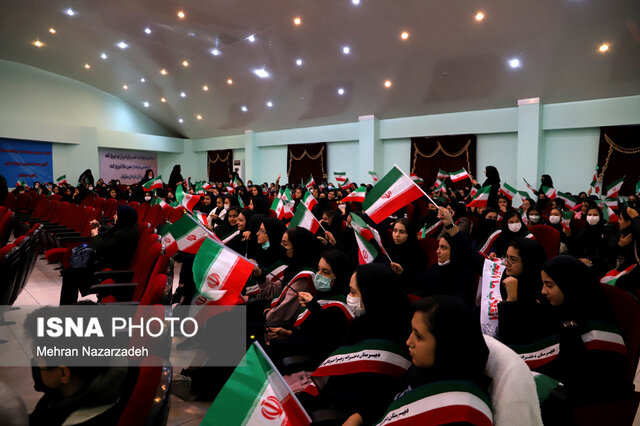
x: 25, y: 160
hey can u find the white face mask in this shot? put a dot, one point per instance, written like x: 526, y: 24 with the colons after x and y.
x: 593, y: 219
x: 147, y: 198
x: 554, y: 219
x: 534, y: 218
x: 514, y: 227
x: 444, y: 263
x: 354, y: 305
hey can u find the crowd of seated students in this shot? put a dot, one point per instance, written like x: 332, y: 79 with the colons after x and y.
x: 306, y: 297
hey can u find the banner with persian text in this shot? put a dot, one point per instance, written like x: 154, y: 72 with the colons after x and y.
x: 25, y: 161
x: 126, y: 166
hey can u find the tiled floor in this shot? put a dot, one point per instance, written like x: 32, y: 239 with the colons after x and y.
x: 42, y: 289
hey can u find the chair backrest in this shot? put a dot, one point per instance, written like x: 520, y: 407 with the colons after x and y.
x: 176, y: 214
x: 161, y: 265
x: 548, y: 237
x: 122, y: 201
x: 164, y: 215
x: 142, y: 210
x: 6, y: 224
x: 155, y: 290
x: 9, y: 268
x: 627, y: 310
x: 22, y: 201
x: 153, y: 215
x: 109, y: 207
x: 3, y: 210
x: 10, y: 201
x: 428, y: 247
x: 143, y: 269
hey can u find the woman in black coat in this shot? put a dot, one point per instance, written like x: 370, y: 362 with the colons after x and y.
x: 175, y: 178
x: 493, y: 180
x: 407, y: 260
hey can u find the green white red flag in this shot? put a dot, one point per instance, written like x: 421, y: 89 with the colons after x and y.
x: 612, y: 203
x: 240, y: 202
x: 550, y: 192
x: 310, y: 182
x: 361, y: 228
x: 595, y: 181
x: 219, y: 274
x: 607, y: 214
x: 612, y: 276
x: 22, y: 183
x: 417, y: 179
x: 394, y: 191
x: 158, y: 200
x: 340, y: 176
x: 282, y: 208
x: 366, y: 251
x: 613, y: 190
x: 429, y: 229
x: 531, y: 188
x: 304, y: 219
x: 187, y: 200
x: 482, y: 197
x: 442, y: 175
x: 566, y: 219
x: 374, y: 176
x: 459, y: 175
x: 569, y: 201
x: 256, y: 394
x: 309, y: 200
x: 473, y: 192
x: 348, y: 184
x: 183, y: 235
x: 508, y: 191
x: 155, y: 183
x: 358, y: 195
x: 62, y: 179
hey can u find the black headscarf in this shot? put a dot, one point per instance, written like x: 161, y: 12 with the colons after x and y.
x: 260, y: 204
x: 175, y: 178
x: 275, y: 229
x: 306, y: 250
x: 146, y: 177
x: 127, y: 216
x: 506, y: 236
x: 493, y: 177
x: 342, y: 267
x: 533, y: 257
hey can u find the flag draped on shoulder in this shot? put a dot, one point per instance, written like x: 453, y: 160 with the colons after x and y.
x: 155, y: 183
x: 304, y: 219
x: 187, y: 200
x: 256, y: 394
x: 358, y: 195
x: 394, y: 191
x: 482, y: 197
x: 183, y: 235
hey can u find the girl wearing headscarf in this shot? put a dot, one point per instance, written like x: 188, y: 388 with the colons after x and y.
x: 493, y: 179
x: 175, y: 178
x: 512, y: 228
x: 543, y: 200
x: 240, y: 242
x: 381, y: 326
x: 86, y: 178
x: 449, y: 357
x: 407, y: 260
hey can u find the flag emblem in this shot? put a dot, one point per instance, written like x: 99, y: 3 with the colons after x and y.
x: 386, y: 195
x: 213, y: 281
x: 271, y: 408
x: 191, y: 237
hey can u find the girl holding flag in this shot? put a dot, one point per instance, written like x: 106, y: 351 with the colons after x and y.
x: 405, y: 253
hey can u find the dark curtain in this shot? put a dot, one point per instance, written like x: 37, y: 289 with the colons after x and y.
x: 619, y: 155
x: 305, y: 160
x: 449, y: 153
x: 220, y: 165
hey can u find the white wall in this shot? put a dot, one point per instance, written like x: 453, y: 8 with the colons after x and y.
x: 499, y: 150
x: 395, y: 151
x: 342, y: 157
x: 273, y: 162
x: 570, y: 157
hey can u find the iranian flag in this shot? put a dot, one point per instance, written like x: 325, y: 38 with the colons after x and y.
x: 566, y: 219
x: 309, y: 200
x: 348, y: 184
x: 529, y: 186
x: 184, y: 235
x: 282, y: 209
x: 441, y: 186
x: 366, y: 251
x: 614, y: 189
x: 459, y: 175
x: 219, y: 273
x: 394, y: 191
x: 473, y: 192
x: 310, y: 182
x: 21, y: 183
x: 612, y: 203
x: 550, y: 192
x: 155, y: 183
x: 612, y: 276
x: 340, y: 176
x: 638, y: 189
x: 235, y: 182
x: 187, y: 200
x: 508, y: 191
x: 256, y: 394
x: 158, y: 200
x: 569, y: 201
x: 595, y: 181
x: 200, y: 189
x: 442, y: 175
x: 229, y: 188
x: 226, y: 239
x: 357, y: 195
x: 374, y: 176
x: 203, y: 218
x: 481, y: 198
x: 205, y: 185
x: 361, y: 228
x: 62, y: 179
x: 429, y: 228
x: 304, y: 219
x: 607, y: 214
x: 524, y: 195
x: 416, y: 178
x: 240, y: 202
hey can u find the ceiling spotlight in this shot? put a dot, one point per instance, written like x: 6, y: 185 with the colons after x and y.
x: 52, y: 30
x: 180, y: 120
x: 299, y: 62
x: 183, y: 95
x: 356, y: 2
x: 244, y: 108
x: 125, y: 87
x: 38, y: 43
x: 514, y: 63
x: 297, y: 21
x: 142, y: 80
x: 604, y: 47
x: 181, y: 14
x: 341, y: 91
x: 404, y: 35
x: 147, y: 30
x: 251, y: 38
x: 198, y: 116
x: 262, y: 73
x: 185, y: 63
x: 163, y: 99
x: 205, y: 88
x: 103, y: 55
x: 146, y: 104
x: 346, y: 50
x: 164, y: 71
x: 387, y: 83
x: 229, y: 82
x: 70, y: 12
x: 479, y: 16
x: 122, y: 45
x: 87, y: 66
x: 215, y: 51
x: 269, y: 104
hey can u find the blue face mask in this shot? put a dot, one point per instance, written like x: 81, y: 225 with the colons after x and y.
x: 322, y: 283
x: 266, y: 245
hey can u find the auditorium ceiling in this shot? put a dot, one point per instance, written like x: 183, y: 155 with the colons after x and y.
x: 204, y: 68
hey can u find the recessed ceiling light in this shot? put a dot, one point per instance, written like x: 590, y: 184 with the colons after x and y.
x: 356, y: 2
x: 387, y: 84
x: 404, y: 35
x: 514, y: 63
x: 183, y: 95
x: 125, y: 87
x: 180, y: 120
x: 251, y: 38
x: 479, y: 16
x: 215, y: 51
x: 164, y: 71
x: 38, y: 43
x: 192, y: 34
x: 346, y: 50
x: 185, y: 63
x: 244, y: 108
x: 269, y: 104
x: 52, y: 30
x: 87, y: 66
x: 103, y: 55
x: 163, y: 99
x: 142, y: 80
x: 261, y: 72
x: 604, y: 47
x: 122, y: 45
x: 147, y: 30
x: 341, y: 91
x: 299, y: 62
x: 205, y: 88
x: 146, y: 104
x: 198, y: 116
x: 229, y: 82
x: 70, y: 12
x: 181, y: 14
x: 297, y: 20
